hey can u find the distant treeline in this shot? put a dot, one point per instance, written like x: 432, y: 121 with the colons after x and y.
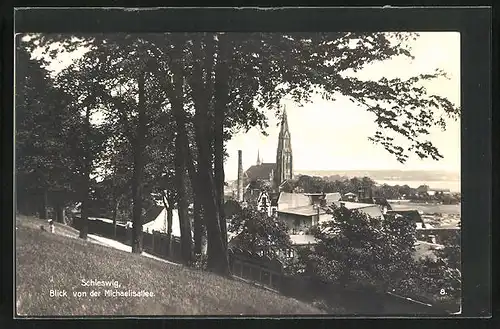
x: 404, y: 175
x: 337, y: 183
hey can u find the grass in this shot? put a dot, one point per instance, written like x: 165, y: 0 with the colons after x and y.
x: 46, y: 261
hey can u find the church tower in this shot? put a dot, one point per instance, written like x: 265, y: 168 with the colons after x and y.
x: 284, y: 168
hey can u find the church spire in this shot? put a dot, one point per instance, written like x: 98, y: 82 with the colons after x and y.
x: 284, y: 158
x: 284, y: 123
x: 259, y: 162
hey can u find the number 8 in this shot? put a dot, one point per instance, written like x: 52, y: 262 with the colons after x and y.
x: 442, y: 292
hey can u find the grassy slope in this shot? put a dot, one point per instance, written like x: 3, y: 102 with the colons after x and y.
x: 46, y: 261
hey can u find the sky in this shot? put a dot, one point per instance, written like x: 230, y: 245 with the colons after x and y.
x: 333, y: 135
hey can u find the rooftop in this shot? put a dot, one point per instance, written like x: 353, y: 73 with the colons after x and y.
x: 332, y: 197
x: 293, y: 200
x: 309, y: 210
x: 366, y: 208
x: 260, y: 172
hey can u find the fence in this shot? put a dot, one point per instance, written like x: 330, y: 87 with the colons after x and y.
x: 260, y: 269
x: 155, y: 243
x: 269, y: 272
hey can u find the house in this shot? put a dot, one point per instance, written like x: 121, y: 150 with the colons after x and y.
x: 302, y: 211
x: 155, y: 219
x: 352, y: 197
x: 268, y: 202
x: 292, y: 200
x: 301, y: 219
x: 298, y: 212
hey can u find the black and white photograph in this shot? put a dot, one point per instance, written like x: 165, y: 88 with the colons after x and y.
x: 237, y: 174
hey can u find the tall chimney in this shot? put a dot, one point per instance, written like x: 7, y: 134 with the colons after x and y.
x: 240, y: 176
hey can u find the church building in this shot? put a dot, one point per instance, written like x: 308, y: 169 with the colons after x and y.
x: 272, y: 175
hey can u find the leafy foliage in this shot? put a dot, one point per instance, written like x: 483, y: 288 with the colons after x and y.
x: 44, y: 124
x: 444, y: 280
x: 255, y: 231
x: 356, y: 250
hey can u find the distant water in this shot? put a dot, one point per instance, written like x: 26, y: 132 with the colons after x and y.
x: 451, y: 209
x: 453, y: 186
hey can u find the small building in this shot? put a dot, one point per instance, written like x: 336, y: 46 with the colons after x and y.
x: 301, y: 219
x: 352, y: 197
x: 298, y: 211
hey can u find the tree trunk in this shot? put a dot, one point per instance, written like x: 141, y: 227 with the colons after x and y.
x: 59, y: 212
x: 180, y: 156
x: 115, y: 214
x: 217, y: 253
x: 168, y: 202
x: 170, y: 219
x: 137, y: 179
x: 198, y: 228
x: 182, y: 206
x: 84, y: 214
x: 222, y: 98
x: 87, y: 170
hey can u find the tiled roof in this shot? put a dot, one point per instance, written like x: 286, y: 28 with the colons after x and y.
x: 302, y: 211
x: 372, y: 211
x: 274, y: 198
x: 367, y: 208
x: 292, y: 200
x: 153, y: 213
x: 332, y: 197
x: 261, y: 171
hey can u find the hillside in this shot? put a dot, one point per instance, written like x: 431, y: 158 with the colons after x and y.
x: 62, y: 262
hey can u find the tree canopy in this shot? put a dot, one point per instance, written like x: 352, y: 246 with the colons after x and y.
x: 212, y: 85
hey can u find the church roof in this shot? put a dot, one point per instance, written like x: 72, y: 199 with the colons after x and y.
x: 260, y: 172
